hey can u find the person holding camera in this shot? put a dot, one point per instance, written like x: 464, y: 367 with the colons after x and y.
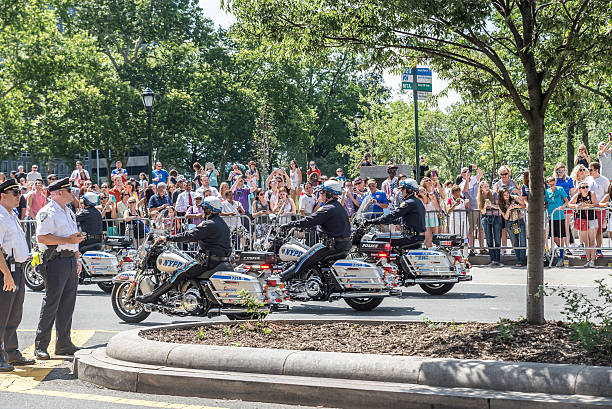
x: 491, y: 221
x: 367, y: 161
x: 582, y: 158
x: 604, y: 156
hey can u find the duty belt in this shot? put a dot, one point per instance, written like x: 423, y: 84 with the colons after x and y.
x: 215, y: 258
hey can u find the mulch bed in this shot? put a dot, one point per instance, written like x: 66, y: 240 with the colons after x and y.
x: 511, y: 341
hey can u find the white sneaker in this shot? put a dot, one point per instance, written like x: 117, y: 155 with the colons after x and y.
x: 592, y: 263
x: 587, y: 265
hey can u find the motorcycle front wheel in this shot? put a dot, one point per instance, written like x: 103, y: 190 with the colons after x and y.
x: 437, y: 289
x: 33, y: 280
x: 129, y: 310
x: 107, y: 287
x: 364, y: 304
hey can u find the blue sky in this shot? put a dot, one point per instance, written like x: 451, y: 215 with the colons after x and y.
x: 212, y: 9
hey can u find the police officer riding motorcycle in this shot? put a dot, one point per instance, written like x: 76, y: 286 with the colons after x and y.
x: 89, y: 221
x: 331, y: 220
x: 411, y: 212
x: 213, y: 237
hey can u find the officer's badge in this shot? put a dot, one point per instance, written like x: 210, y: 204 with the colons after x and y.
x: 42, y: 216
x: 404, y: 204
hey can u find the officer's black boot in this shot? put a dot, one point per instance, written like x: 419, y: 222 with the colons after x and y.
x: 161, y: 290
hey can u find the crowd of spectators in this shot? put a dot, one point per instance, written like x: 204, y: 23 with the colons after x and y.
x: 485, y: 214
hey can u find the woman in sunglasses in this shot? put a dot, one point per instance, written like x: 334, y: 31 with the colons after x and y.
x: 585, y: 220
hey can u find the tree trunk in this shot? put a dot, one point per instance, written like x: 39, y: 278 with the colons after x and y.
x: 585, y: 135
x: 570, y: 127
x: 535, y: 232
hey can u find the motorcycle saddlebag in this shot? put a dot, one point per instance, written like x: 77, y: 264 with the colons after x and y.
x: 447, y: 240
x: 256, y: 257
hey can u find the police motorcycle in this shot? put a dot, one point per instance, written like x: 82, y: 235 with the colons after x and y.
x: 362, y: 285
x: 101, y: 259
x: 224, y: 292
x: 435, y: 270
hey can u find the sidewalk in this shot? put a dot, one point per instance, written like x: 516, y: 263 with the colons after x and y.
x: 569, y: 276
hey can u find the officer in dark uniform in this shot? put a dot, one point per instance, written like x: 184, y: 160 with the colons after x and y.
x: 13, y: 255
x: 90, y: 223
x: 213, y: 237
x: 58, y: 236
x: 411, y: 213
x: 331, y: 220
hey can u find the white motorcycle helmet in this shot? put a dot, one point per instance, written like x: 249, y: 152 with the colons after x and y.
x: 90, y: 199
x: 409, y: 184
x: 213, y: 204
x: 333, y: 187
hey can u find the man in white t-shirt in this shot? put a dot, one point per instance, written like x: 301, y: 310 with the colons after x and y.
x: 231, y: 210
x: 604, y: 156
x: 598, y: 184
x: 79, y: 175
x: 307, y: 200
x: 33, y: 175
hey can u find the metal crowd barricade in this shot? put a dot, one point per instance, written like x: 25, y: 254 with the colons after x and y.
x: 586, y: 230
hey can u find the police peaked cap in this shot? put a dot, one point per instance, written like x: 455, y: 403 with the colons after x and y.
x: 59, y: 184
x: 7, y: 185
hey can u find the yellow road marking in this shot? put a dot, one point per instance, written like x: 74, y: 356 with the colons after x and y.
x: 24, y: 378
x: 115, y: 399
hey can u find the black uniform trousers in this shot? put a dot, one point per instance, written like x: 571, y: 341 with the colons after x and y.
x: 61, y: 282
x: 11, y: 309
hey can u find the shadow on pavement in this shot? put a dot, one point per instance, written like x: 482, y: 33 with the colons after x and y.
x: 448, y: 296
x: 349, y: 312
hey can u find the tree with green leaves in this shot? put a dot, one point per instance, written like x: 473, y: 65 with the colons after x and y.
x: 521, y: 49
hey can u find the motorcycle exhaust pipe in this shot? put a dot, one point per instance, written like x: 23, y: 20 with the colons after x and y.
x: 360, y: 295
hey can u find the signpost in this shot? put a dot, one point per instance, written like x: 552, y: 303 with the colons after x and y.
x: 419, y: 80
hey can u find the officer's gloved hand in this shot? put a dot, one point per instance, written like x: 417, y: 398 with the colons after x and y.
x: 367, y: 222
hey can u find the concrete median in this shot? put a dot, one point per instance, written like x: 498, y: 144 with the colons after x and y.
x: 154, y: 361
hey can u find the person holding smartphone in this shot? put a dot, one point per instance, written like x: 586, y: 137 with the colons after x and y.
x: 582, y: 158
x: 604, y: 156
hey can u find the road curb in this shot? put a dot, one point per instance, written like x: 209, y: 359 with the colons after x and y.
x: 96, y: 367
x: 128, y: 350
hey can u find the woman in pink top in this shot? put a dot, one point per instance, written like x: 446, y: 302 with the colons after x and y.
x: 36, y: 199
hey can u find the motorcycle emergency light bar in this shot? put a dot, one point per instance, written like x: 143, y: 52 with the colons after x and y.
x: 265, y: 267
x: 446, y: 243
x: 381, y: 255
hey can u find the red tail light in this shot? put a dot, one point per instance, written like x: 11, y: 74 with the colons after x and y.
x: 381, y: 255
x: 127, y: 259
x: 446, y: 243
x: 271, y: 283
x: 266, y: 267
x: 387, y: 246
x: 458, y: 258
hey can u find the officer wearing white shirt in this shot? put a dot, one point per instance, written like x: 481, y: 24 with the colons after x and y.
x: 58, y: 235
x: 13, y: 254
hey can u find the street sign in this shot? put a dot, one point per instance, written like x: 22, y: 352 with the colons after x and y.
x: 424, y: 81
x: 421, y: 86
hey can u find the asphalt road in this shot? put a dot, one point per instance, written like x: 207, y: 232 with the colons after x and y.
x: 493, y: 294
